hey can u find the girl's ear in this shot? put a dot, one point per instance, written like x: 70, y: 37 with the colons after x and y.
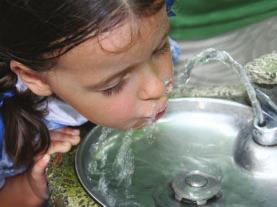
x: 33, y: 80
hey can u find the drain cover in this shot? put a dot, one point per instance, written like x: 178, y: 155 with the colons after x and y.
x: 195, y: 186
x: 196, y: 180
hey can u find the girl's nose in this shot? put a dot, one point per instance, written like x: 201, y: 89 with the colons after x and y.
x: 152, y: 87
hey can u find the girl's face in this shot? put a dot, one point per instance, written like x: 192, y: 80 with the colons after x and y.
x: 114, y: 83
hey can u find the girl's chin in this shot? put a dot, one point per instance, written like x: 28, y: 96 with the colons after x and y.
x: 139, y: 124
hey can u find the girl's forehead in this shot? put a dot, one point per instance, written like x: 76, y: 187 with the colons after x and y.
x: 132, y: 32
x: 130, y: 36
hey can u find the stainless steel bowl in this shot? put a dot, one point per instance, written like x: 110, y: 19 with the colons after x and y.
x: 195, y: 135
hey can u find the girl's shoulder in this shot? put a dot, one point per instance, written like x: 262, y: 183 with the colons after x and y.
x: 7, y: 168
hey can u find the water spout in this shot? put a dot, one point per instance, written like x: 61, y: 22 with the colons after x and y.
x: 266, y: 134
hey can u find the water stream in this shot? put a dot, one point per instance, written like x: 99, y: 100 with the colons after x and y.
x: 122, y: 163
x: 212, y: 55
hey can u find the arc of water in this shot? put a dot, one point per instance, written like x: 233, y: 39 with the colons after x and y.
x: 211, y: 55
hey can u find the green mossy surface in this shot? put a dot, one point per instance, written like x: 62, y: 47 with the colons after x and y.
x: 64, y: 187
x: 263, y: 70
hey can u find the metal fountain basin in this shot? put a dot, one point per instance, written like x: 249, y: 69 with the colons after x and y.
x: 203, y: 135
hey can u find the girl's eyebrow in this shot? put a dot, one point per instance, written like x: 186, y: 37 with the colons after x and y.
x: 121, y: 73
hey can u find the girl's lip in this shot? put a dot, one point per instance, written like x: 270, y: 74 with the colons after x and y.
x: 152, y: 118
x: 160, y: 113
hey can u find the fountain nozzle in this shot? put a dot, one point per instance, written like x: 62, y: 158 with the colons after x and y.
x: 266, y: 133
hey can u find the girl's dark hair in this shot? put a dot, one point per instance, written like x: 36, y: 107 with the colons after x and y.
x: 29, y: 29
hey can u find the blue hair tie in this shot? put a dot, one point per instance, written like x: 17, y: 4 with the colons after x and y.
x: 3, y: 96
x: 169, y: 4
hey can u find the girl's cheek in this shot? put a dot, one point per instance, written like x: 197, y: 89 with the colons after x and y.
x: 124, y: 104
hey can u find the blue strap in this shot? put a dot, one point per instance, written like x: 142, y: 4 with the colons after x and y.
x: 169, y: 4
x: 3, y: 96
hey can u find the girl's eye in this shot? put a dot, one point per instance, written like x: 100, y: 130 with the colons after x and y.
x: 115, y: 89
x: 164, y: 49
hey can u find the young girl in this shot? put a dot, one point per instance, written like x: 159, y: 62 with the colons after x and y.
x: 109, y: 60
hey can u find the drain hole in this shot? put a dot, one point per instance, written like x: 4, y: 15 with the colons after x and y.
x: 195, y: 187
